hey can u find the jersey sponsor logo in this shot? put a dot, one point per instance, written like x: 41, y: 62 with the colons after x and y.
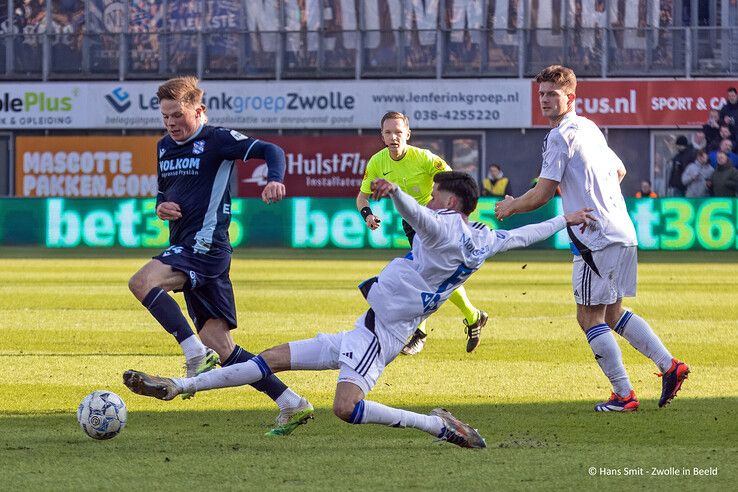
x: 471, y: 249
x: 238, y: 136
x: 198, y: 147
x: 259, y: 176
x: 180, y: 163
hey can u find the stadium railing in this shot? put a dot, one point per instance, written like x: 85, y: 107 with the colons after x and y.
x: 438, y: 53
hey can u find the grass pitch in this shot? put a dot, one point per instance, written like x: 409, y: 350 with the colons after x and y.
x: 69, y: 326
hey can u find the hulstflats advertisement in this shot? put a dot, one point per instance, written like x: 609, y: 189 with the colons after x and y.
x: 325, y: 166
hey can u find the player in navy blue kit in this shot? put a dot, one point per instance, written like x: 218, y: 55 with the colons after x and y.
x: 195, y: 162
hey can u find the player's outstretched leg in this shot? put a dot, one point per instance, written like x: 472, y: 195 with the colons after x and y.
x: 217, y: 333
x: 439, y: 423
x: 350, y: 406
x: 252, y: 371
x: 457, y: 432
x: 642, y: 337
x: 154, y: 386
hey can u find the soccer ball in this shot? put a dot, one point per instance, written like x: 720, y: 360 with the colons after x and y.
x: 102, y: 414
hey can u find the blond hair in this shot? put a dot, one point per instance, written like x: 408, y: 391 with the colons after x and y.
x: 184, y: 90
x: 559, y: 75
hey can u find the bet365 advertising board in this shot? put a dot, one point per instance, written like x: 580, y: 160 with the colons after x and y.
x: 661, y: 224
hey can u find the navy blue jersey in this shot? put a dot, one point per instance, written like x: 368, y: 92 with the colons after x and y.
x: 196, y: 175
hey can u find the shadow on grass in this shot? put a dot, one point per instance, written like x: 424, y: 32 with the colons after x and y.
x: 532, y: 255
x: 548, y: 445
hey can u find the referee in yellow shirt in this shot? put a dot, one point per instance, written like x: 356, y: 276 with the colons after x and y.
x: 412, y: 169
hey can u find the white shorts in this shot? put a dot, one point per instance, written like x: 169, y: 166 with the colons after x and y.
x: 618, y: 270
x: 360, y: 355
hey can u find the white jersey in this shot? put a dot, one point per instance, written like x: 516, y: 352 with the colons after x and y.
x: 576, y: 154
x: 446, y: 251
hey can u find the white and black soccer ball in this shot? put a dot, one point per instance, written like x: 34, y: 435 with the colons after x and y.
x: 102, y: 414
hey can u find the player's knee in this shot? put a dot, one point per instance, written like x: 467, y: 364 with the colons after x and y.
x: 612, y: 321
x: 583, y: 321
x: 343, y: 409
x: 137, y: 285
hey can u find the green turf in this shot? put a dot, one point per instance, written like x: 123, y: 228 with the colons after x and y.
x: 69, y: 326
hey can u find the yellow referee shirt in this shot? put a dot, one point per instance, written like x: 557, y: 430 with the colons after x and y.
x: 413, y: 173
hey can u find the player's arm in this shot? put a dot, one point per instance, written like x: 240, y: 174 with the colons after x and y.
x: 422, y: 219
x: 274, y: 190
x: 165, y: 210
x: 362, y: 205
x: 530, y: 234
x: 362, y: 198
x: 536, y: 197
x: 555, y: 159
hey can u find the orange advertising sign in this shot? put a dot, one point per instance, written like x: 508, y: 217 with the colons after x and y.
x: 644, y: 103
x: 78, y: 166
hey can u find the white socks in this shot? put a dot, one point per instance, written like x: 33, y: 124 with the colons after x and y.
x: 609, y: 357
x: 640, y: 335
x: 192, y: 347
x: 371, y: 412
x: 225, y: 377
x: 288, y: 399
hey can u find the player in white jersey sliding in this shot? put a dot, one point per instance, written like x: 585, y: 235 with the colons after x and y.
x: 576, y: 157
x: 446, y: 251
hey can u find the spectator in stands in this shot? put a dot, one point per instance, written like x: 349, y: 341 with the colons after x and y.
x: 712, y: 130
x: 646, y: 191
x: 727, y: 132
x: 726, y: 146
x: 696, y: 176
x: 724, y: 180
x: 729, y: 111
x: 685, y: 154
x: 698, y: 140
x: 496, y: 184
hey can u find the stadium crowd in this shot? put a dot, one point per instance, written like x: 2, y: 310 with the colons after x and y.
x: 705, y: 164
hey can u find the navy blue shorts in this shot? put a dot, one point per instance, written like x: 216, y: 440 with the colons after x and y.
x: 208, y: 291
